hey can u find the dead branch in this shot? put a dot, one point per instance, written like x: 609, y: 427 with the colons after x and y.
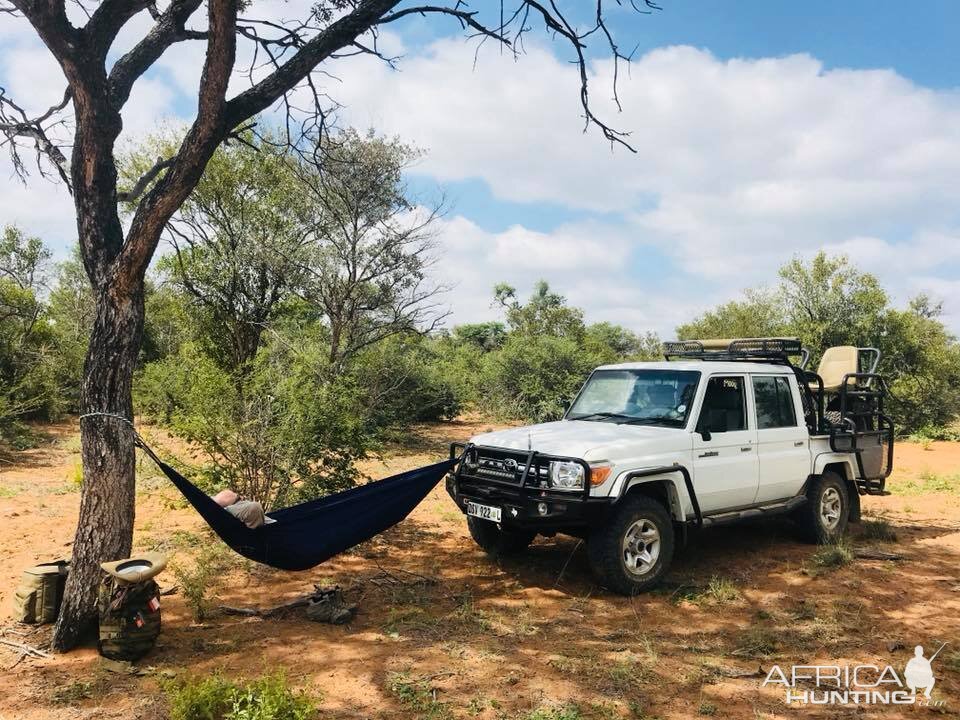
x: 15, y: 123
x: 26, y: 649
x: 874, y: 554
x: 303, y: 601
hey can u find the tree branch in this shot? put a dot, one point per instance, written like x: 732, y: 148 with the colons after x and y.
x: 14, y: 123
x: 338, y: 35
x: 107, y: 20
x: 467, y: 19
x: 206, y: 133
x: 144, y: 181
x: 168, y: 30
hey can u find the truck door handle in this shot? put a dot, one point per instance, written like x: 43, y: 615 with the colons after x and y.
x: 746, y: 449
x: 712, y: 453
x: 799, y: 443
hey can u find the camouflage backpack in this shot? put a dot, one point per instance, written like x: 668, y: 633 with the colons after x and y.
x: 129, y: 618
x: 37, y: 598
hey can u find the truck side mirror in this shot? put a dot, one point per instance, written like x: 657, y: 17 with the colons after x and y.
x: 703, y: 429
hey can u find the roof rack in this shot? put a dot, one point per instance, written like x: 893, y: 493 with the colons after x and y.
x: 751, y: 349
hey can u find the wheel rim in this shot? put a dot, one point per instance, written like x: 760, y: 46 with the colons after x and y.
x: 831, y: 505
x: 641, y: 547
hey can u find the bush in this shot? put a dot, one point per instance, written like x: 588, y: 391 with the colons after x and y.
x: 405, y: 380
x: 833, y: 555
x: 216, y: 698
x: 200, y: 580
x: 877, y: 530
x: 534, y: 377
x: 278, y: 432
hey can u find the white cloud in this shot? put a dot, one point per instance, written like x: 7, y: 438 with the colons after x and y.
x: 740, y: 164
x: 587, y: 262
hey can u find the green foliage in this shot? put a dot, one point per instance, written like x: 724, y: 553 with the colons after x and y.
x: 481, y: 336
x: 827, y: 302
x: 832, y: 556
x: 570, y: 711
x: 928, y: 482
x: 200, y: 579
x: 278, y: 432
x: 759, y: 314
x: 532, y: 371
x: 929, y: 433
x: 880, y: 530
x: 28, y: 359
x: 71, y: 308
x: 417, y: 696
x: 404, y: 381
x: 533, y: 377
x: 216, y: 698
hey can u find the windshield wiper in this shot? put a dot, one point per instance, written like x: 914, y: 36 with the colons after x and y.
x: 600, y: 416
x: 651, y: 420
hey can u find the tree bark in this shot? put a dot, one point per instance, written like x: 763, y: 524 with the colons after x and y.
x: 105, y: 526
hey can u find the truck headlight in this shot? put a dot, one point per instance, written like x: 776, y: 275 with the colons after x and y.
x: 566, y: 475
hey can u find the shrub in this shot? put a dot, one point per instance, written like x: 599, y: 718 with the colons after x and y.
x: 200, y: 580
x: 570, y: 711
x: 418, y: 697
x: 216, y: 698
x: 277, y: 432
x: 533, y: 377
x: 405, y: 380
x: 833, y: 555
x: 877, y: 530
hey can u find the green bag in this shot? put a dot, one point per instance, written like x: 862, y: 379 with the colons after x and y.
x: 129, y: 618
x: 37, y: 598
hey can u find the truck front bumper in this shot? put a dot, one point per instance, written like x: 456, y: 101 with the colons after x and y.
x: 525, y: 502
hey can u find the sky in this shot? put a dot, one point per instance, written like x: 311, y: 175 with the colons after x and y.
x: 763, y: 130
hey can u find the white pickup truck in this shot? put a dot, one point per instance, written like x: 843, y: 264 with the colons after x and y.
x: 719, y: 431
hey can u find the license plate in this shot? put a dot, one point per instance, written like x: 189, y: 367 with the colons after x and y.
x: 486, y: 512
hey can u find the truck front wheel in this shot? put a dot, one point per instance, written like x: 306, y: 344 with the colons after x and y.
x: 823, y: 518
x: 633, y: 551
x: 497, y: 541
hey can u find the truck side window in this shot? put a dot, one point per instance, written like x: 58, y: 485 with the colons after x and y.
x: 724, y: 406
x: 774, y: 402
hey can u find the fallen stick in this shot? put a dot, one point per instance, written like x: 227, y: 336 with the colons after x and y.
x: 868, y: 554
x: 299, y: 602
x: 230, y: 610
x: 29, y: 649
x: 734, y: 673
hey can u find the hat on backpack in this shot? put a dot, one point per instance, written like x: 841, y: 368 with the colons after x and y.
x: 136, y: 569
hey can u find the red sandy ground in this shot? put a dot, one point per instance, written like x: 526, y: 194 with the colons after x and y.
x: 501, y: 639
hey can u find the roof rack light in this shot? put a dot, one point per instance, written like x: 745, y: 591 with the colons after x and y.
x: 737, y: 349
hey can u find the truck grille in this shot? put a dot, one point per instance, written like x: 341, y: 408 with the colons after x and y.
x: 505, y: 467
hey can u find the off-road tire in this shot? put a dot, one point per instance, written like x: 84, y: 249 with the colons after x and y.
x: 605, y: 546
x: 496, y: 541
x: 811, y: 516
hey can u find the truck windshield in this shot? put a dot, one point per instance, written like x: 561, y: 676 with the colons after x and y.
x: 637, y: 397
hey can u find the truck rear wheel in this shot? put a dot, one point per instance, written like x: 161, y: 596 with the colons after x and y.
x: 497, y: 541
x: 823, y: 518
x: 633, y: 551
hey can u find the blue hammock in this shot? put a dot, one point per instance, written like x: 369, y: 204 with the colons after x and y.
x: 306, y: 535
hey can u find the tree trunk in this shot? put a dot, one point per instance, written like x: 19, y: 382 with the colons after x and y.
x: 105, y: 526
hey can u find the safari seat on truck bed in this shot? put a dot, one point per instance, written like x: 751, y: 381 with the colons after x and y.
x: 843, y: 361
x: 836, y: 363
